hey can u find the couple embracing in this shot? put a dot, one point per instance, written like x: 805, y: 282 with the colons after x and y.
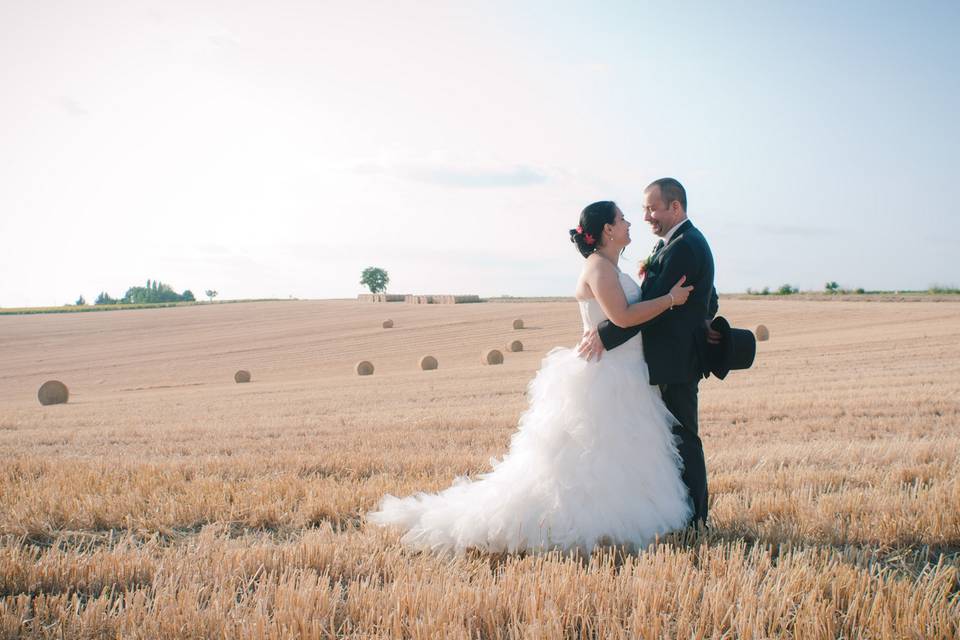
x: 608, y: 450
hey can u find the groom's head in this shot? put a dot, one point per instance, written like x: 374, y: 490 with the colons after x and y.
x: 664, y: 205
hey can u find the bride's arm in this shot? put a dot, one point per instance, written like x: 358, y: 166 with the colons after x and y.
x: 605, y: 284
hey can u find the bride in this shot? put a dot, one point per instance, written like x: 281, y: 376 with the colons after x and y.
x: 593, y: 460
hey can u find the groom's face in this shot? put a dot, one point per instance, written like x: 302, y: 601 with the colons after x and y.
x: 658, y: 214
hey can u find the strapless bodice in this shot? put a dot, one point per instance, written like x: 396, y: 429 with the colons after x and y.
x: 592, y: 314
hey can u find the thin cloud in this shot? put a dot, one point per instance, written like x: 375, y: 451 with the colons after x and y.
x: 477, y: 178
x: 71, y: 106
x: 793, y: 230
x: 458, y: 176
x: 592, y: 68
x: 224, y: 41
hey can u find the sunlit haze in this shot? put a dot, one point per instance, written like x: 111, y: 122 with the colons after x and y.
x: 276, y: 149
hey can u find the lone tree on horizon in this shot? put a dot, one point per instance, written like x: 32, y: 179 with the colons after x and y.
x: 375, y: 279
x: 211, y: 293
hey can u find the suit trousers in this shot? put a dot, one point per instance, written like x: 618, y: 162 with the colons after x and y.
x: 681, y: 400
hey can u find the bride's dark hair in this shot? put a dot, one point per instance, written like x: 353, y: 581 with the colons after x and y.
x: 588, y: 235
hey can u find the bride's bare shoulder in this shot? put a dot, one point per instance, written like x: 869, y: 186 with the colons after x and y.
x: 596, y: 265
x: 595, y: 262
x: 595, y: 268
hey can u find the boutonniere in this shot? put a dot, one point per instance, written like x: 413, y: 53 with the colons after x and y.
x: 646, y: 262
x: 644, y: 266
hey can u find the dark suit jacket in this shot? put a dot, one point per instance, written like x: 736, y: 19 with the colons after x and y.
x: 674, y: 343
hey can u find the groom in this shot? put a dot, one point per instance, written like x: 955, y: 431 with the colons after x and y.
x: 675, y: 342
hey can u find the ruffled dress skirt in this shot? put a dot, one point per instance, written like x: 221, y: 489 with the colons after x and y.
x: 593, y: 461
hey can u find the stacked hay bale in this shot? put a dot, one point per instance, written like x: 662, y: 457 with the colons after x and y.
x: 381, y: 297
x: 450, y: 299
x: 438, y: 299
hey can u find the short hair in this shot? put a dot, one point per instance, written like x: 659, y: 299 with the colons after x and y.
x: 670, y: 190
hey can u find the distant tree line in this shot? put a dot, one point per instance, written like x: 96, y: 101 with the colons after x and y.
x: 788, y: 289
x: 154, y: 291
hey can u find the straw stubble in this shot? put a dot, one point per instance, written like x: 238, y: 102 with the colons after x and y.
x: 169, y: 511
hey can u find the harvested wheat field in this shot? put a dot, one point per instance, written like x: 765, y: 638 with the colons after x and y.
x: 166, y: 501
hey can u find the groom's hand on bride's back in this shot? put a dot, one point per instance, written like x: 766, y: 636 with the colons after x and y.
x: 590, y: 345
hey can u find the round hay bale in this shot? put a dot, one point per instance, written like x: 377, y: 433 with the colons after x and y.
x: 493, y: 356
x: 242, y: 376
x: 515, y: 346
x: 53, y: 392
x: 518, y: 323
x: 364, y: 368
x: 428, y: 363
x: 388, y: 324
x: 762, y: 333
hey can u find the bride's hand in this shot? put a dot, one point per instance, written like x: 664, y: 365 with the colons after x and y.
x: 680, y: 293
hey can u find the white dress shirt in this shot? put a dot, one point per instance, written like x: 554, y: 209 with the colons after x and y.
x: 673, y: 230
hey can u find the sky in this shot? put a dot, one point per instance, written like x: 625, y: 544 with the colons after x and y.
x: 275, y: 149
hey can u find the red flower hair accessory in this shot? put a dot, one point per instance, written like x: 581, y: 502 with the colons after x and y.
x: 580, y: 230
x: 588, y: 238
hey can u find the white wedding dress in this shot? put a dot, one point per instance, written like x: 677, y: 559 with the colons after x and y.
x: 593, y: 461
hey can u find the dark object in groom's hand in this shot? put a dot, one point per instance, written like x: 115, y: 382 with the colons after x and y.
x: 713, y: 336
x: 736, y: 349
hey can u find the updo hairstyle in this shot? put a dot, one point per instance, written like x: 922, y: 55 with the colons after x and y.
x: 588, y: 236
